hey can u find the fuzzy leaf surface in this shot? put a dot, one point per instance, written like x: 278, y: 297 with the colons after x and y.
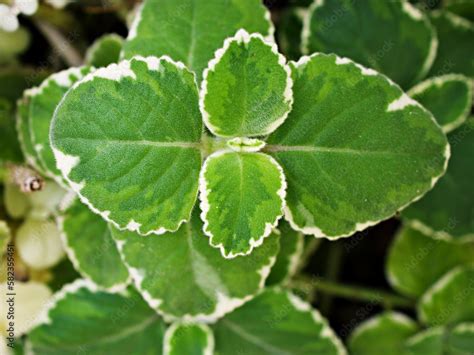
x: 83, y: 319
x: 344, y: 171
x: 246, y: 90
x: 242, y: 197
x: 205, y: 285
x: 276, y: 322
x: 402, y: 46
x: 90, y: 246
x: 43, y: 100
x: 193, y: 30
x: 127, y: 140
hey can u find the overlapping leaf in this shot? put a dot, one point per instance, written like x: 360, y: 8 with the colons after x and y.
x: 182, y: 338
x: 450, y: 300
x: 42, y: 102
x: 382, y: 334
x: 416, y: 261
x: 403, y: 46
x: 344, y: 171
x: 82, y: 319
x: 192, y: 30
x: 90, y: 247
x: 182, y: 277
x: 448, y: 98
x: 105, y: 50
x: 246, y: 90
x: 242, y: 197
x: 276, y: 322
x: 447, y: 210
x: 456, y: 40
x: 288, y: 258
x: 126, y: 138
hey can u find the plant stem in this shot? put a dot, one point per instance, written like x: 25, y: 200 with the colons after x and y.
x: 61, y: 45
x: 387, y: 299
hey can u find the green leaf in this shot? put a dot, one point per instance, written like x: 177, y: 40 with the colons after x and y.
x: 197, y: 29
x: 23, y: 130
x: 42, y: 103
x: 429, y: 341
x: 242, y: 198
x: 382, y: 334
x: 105, y: 50
x: 185, y: 338
x: 456, y: 40
x: 10, y: 150
x: 448, y: 98
x: 84, y: 320
x: 90, y: 247
x: 205, y: 286
x: 461, y: 338
x: 416, y: 261
x: 450, y: 300
x: 447, y: 210
x: 246, y: 91
x: 289, y: 31
x: 443, y: 341
x: 126, y: 138
x: 288, y: 258
x: 276, y: 322
x: 392, y: 37
x: 463, y: 8
x: 344, y: 171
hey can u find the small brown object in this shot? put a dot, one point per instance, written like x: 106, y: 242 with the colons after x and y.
x: 26, y: 178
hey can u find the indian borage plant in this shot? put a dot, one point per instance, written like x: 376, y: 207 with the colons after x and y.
x: 341, y: 169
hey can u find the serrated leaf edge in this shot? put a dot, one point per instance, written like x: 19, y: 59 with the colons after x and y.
x: 399, y: 104
x: 65, y: 163
x: 224, y: 303
x: 205, y: 206
x: 243, y: 36
x: 305, y: 307
x: 115, y: 288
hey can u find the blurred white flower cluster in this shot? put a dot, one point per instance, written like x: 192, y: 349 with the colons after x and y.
x: 9, y: 13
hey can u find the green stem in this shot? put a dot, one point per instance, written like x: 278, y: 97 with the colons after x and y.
x: 387, y: 299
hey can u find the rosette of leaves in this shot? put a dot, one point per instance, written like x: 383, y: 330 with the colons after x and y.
x: 129, y: 140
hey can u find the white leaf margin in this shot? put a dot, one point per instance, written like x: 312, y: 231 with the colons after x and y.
x: 205, y: 205
x: 170, y: 331
x: 224, y: 303
x: 60, y: 219
x: 438, y: 82
x: 406, y: 7
x: 63, y: 80
x: 445, y: 280
x: 66, y: 163
x: 376, y: 321
x: 91, y: 51
x: 133, y: 31
x: 243, y: 37
x: 401, y: 103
